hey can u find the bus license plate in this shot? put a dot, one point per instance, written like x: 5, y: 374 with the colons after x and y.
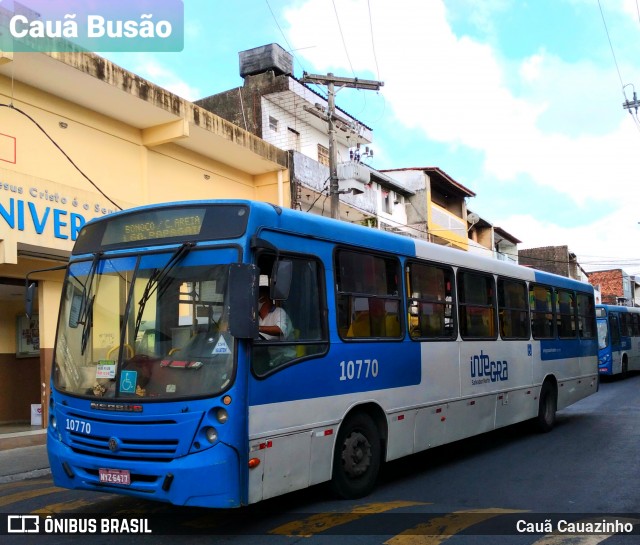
x: 115, y: 476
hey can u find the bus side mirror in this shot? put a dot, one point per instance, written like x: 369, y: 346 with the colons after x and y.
x: 282, y: 280
x: 29, y: 296
x: 243, y: 297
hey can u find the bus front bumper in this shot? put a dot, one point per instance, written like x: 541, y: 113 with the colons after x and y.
x: 210, y: 478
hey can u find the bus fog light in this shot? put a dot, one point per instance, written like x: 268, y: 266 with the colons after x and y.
x: 211, y: 434
x: 222, y: 416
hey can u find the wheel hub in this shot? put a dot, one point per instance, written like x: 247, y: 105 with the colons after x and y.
x: 356, y: 455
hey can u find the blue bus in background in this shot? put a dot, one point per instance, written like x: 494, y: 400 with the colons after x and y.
x: 162, y: 387
x: 618, y: 339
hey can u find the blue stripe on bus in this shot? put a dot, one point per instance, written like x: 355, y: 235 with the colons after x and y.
x: 347, y: 369
x: 558, y: 349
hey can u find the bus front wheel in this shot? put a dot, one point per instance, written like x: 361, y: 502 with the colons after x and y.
x: 357, y: 456
x: 547, y: 407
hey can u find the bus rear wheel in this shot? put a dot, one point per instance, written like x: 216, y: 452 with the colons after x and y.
x: 357, y: 457
x: 547, y: 407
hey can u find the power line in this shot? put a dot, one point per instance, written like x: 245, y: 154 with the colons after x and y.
x: 373, y: 44
x: 283, y: 35
x: 629, y: 105
x: 12, y: 107
x: 611, y: 46
x: 344, y: 44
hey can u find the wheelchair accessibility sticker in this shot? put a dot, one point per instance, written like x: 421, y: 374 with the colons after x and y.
x: 128, y: 381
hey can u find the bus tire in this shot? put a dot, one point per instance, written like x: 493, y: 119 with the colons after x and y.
x: 625, y: 368
x: 547, y: 407
x: 357, y: 457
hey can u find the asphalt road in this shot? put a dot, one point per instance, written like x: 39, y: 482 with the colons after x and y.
x: 478, y: 491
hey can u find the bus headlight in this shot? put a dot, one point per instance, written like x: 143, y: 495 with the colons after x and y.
x: 222, y: 415
x: 211, y: 434
x: 54, y: 423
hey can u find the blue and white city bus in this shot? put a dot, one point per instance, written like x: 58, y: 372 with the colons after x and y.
x: 618, y: 339
x: 162, y: 387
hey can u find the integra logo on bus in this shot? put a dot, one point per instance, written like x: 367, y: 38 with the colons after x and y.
x: 119, y: 407
x: 486, y: 370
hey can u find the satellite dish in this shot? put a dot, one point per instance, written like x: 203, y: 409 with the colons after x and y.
x: 473, y: 218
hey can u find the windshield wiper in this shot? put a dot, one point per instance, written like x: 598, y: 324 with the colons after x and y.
x: 86, y: 310
x: 157, y: 278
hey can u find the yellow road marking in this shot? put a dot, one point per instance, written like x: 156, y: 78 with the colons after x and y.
x: 322, y: 522
x: 24, y: 484
x: 28, y: 494
x: 62, y: 507
x: 592, y: 539
x: 440, y: 529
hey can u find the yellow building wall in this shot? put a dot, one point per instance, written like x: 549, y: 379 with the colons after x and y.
x: 44, y: 200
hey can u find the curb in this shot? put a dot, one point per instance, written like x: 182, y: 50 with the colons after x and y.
x: 27, y: 475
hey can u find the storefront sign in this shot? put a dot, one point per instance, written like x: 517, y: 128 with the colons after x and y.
x: 43, y: 211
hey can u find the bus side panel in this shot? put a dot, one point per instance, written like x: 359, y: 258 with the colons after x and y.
x: 516, y: 405
x: 634, y: 360
x: 491, y: 366
x: 292, y: 429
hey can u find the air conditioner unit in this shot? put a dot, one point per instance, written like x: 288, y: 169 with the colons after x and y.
x: 352, y: 177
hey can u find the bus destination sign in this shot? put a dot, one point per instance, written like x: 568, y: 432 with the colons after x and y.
x: 154, y: 225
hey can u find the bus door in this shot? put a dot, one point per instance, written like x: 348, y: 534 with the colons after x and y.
x: 614, y: 332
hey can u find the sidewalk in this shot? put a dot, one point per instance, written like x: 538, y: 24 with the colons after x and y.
x: 23, y: 455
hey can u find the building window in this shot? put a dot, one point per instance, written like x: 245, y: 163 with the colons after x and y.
x: 294, y: 139
x: 273, y: 123
x: 387, y: 204
x: 323, y: 155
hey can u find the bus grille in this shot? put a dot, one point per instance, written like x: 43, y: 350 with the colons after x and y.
x: 134, y: 439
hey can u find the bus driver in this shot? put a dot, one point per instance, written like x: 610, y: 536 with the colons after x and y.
x: 274, y: 322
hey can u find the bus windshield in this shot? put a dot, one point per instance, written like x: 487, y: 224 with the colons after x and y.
x: 603, y: 334
x: 151, y: 326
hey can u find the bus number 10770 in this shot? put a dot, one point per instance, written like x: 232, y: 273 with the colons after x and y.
x: 358, y: 369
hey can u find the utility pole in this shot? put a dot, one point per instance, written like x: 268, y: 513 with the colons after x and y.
x: 331, y: 81
x: 634, y: 104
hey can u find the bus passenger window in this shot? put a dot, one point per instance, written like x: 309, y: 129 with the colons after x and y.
x: 368, y: 300
x: 542, y: 311
x: 430, y: 313
x: 476, y: 305
x: 566, y: 318
x: 586, y: 316
x: 513, y: 309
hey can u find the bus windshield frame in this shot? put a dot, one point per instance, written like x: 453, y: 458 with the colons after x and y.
x: 149, y: 326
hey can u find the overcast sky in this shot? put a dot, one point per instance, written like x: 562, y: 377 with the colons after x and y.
x: 518, y: 100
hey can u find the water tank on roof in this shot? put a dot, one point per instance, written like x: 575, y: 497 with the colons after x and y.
x: 265, y: 58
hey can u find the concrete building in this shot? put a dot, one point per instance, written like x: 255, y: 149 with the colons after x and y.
x: 489, y: 240
x: 276, y: 106
x: 437, y: 209
x: 554, y: 259
x: 615, y: 286
x: 79, y: 138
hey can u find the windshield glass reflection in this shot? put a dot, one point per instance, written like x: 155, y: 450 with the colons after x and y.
x: 153, y: 327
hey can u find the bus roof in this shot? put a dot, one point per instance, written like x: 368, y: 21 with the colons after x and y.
x: 266, y: 216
